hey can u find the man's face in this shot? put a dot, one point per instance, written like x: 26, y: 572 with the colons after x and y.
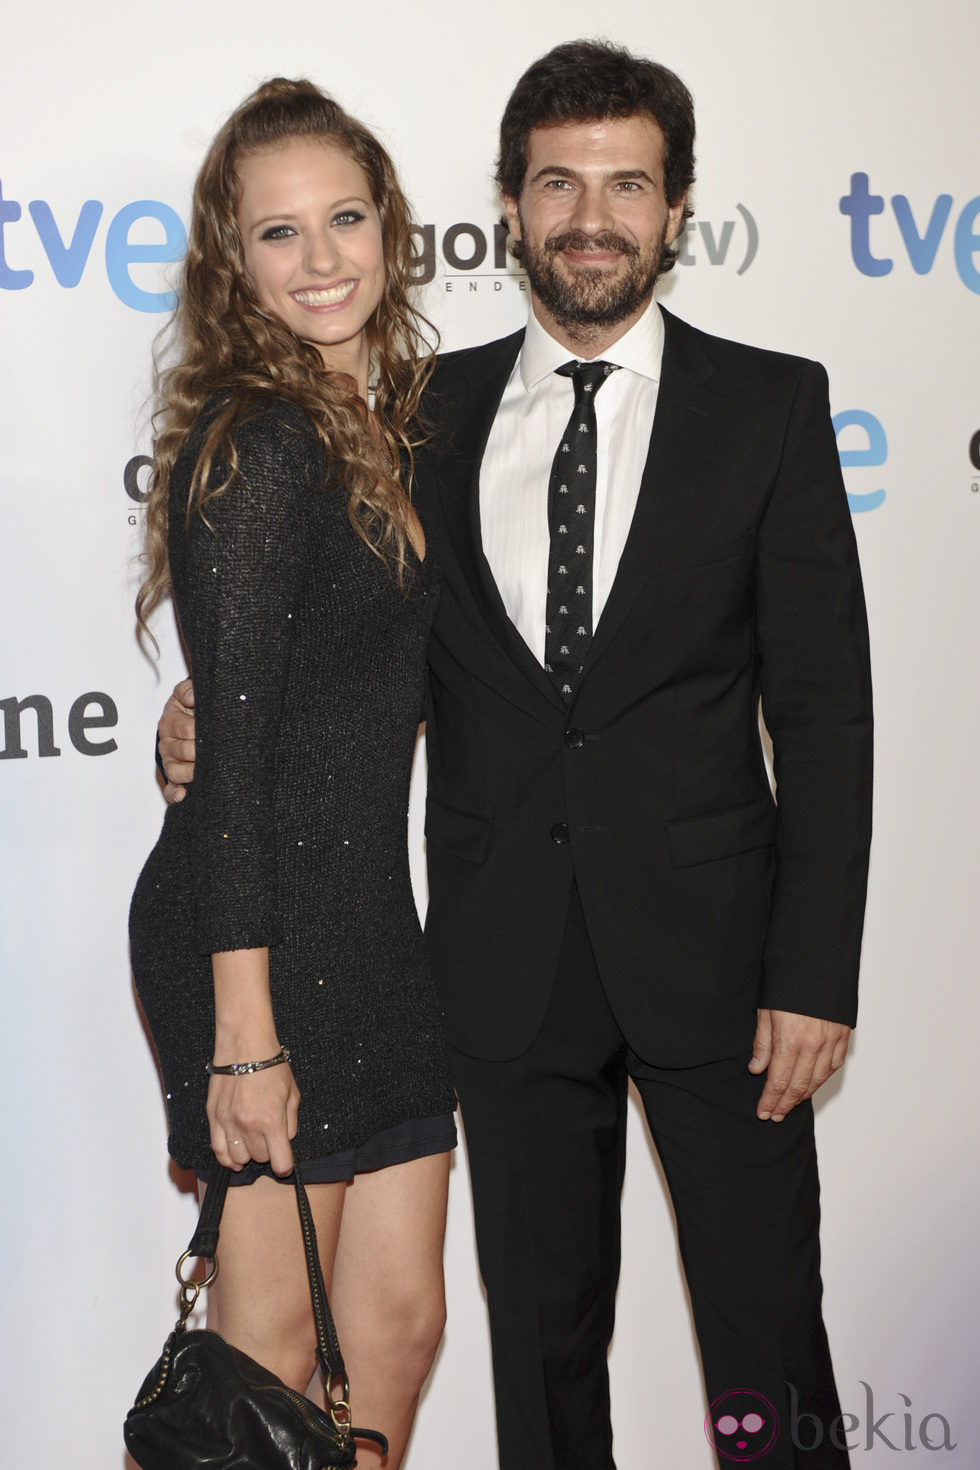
x: 593, y: 222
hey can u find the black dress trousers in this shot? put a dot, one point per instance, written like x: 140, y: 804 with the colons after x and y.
x: 546, y: 1138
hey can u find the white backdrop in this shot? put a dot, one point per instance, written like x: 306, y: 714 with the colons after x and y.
x: 105, y: 110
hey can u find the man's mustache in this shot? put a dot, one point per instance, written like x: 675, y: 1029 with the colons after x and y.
x: 574, y: 240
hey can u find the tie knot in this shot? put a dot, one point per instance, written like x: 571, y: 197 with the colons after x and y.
x: 587, y: 377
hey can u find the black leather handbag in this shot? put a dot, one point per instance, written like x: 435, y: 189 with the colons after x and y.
x: 205, y: 1404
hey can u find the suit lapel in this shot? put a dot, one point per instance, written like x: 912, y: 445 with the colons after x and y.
x: 467, y: 393
x: 470, y: 402
x: 684, y: 401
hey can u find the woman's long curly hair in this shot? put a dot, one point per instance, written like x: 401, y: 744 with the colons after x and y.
x: 233, y: 350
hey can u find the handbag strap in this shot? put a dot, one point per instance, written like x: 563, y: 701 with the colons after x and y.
x: 204, y: 1242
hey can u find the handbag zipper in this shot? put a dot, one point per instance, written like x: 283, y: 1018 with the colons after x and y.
x: 298, y: 1399
x: 303, y: 1406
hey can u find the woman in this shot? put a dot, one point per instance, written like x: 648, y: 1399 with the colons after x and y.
x: 276, y: 909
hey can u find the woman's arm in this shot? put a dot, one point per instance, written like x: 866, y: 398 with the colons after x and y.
x: 237, y: 580
x: 258, y: 1112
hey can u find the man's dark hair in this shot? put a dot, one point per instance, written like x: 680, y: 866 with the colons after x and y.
x: 587, y: 81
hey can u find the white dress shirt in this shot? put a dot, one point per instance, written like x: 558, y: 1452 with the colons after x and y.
x: 516, y: 470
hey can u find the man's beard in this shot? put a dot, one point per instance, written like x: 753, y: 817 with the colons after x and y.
x: 579, y: 296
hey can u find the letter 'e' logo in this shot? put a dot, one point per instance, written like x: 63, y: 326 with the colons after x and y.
x: 870, y: 448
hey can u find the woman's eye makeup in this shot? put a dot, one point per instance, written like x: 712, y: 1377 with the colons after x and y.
x: 284, y: 232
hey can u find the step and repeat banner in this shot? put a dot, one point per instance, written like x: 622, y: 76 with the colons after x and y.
x: 837, y: 216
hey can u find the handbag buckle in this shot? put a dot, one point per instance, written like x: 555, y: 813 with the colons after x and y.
x: 190, y: 1289
x: 339, y: 1411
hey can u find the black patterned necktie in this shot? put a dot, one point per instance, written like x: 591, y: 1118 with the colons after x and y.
x: 571, y: 523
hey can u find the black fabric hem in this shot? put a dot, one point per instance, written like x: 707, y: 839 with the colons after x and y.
x: 417, y: 1138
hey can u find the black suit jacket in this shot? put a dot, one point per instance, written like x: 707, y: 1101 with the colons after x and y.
x: 739, y: 577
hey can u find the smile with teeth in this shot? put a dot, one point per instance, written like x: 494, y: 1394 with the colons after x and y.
x: 325, y: 295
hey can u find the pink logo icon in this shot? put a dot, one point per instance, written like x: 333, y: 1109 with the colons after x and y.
x: 741, y: 1425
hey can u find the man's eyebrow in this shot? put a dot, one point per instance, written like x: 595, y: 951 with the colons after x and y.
x: 557, y: 170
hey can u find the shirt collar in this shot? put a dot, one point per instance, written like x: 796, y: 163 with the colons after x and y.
x: 640, y: 349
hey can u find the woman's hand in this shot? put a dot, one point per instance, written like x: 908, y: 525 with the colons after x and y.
x: 254, y: 1117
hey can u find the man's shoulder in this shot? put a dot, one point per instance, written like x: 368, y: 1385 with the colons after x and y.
x: 742, y: 360
x: 467, y: 365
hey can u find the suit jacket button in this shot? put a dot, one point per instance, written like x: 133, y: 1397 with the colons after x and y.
x: 574, y: 738
x: 559, y: 833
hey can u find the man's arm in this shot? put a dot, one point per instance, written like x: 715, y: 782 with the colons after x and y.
x: 816, y: 694
x: 812, y: 640
x: 176, y: 741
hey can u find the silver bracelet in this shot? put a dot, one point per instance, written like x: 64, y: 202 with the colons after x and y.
x: 242, y: 1069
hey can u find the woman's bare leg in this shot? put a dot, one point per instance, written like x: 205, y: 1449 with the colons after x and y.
x: 380, y: 1240
x: 388, y: 1295
x: 260, y: 1299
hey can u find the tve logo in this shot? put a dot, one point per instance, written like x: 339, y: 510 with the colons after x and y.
x: 870, y: 450
x: 921, y: 245
x: 69, y: 254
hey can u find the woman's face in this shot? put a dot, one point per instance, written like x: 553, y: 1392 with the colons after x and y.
x: 313, y: 253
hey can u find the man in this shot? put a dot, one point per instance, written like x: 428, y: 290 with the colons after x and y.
x: 635, y: 549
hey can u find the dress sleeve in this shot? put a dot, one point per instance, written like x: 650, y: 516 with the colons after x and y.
x: 243, y: 572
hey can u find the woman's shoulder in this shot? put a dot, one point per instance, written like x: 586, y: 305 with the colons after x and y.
x: 269, y: 435
x: 261, y: 420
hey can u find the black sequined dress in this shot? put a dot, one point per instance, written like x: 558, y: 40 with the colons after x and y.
x: 309, y: 676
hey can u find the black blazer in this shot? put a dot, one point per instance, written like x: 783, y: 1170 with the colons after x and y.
x: 739, y: 577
